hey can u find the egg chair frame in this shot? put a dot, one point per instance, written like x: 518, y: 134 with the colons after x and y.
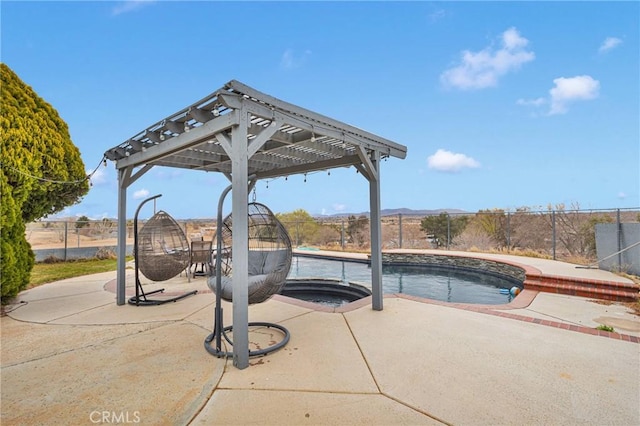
x: 157, y: 259
x: 263, y: 283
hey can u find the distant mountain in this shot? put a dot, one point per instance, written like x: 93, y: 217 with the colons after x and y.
x: 403, y: 211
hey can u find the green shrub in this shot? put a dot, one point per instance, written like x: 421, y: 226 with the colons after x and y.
x: 42, y: 173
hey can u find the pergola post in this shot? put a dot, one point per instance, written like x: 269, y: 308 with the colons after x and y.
x: 123, y: 175
x: 376, y: 232
x: 240, y: 244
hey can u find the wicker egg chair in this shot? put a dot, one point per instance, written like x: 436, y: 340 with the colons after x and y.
x: 161, y: 252
x: 269, y: 261
x: 270, y: 255
x: 163, y: 249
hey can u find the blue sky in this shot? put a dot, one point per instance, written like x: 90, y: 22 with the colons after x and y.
x: 500, y: 104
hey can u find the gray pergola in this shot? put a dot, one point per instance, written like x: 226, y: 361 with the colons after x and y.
x: 248, y: 135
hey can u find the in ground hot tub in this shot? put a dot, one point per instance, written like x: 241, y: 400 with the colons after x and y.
x: 324, y: 291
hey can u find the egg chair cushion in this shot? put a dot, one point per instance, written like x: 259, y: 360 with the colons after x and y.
x: 269, y: 256
x: 268, y: 271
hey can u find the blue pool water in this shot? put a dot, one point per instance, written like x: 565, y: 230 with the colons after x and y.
x: 444, y: 284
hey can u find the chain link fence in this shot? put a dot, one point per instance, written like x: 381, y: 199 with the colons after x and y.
x: 560, y: 234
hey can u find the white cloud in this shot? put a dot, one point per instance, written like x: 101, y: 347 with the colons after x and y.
x: 608, y: 44
x: 447, y: 161
x: 130, y: 6
x: 532, y: 102
x: 622, y: 195
x: 291, y: 60
x: 339, y: 207
x: 99, y: 216
x: 99, y: 177
x: 142, y: 193
x: 479, y: 70
x: 335, y: 208
x: 567, y: 90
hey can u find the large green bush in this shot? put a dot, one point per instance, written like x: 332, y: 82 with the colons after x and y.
x: 443, y: 229
x: 41, y: 174
x: 302, y: 228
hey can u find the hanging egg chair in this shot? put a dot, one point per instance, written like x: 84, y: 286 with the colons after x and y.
x: 269, y: 255
x: 269, y: 260
x: 161, y: 252
x: 163, y: 248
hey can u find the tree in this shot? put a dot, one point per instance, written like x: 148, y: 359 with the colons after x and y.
x: 356, y: 229
x: 300, y: 226
x: 512, y: 229
x: 105, y: 226
x: 42, y: 173
x: 443, y: 228
x: 494, y: 224
x: 82, y: 221
x: 576, y: 230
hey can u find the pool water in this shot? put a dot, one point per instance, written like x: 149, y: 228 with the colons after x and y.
x: 444, y: 284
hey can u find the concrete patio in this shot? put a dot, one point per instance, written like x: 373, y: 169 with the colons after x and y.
x: 71, y: 356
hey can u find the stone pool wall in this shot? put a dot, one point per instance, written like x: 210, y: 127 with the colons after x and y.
x: 448, y: 261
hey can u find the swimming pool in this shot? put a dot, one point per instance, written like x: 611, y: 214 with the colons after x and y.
x: 444, y: 284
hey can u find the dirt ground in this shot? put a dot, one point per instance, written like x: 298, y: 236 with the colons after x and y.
x: 48, y: 240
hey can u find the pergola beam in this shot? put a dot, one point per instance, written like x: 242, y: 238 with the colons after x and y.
x: 310, y: 167
x: 180, y: 143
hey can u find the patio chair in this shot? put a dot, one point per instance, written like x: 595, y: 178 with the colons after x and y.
x: 200, y: 255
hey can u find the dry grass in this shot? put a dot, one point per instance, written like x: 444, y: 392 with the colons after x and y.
x: 514, y: 252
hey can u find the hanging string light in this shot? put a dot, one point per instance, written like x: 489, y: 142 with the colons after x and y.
x: 69, y: 182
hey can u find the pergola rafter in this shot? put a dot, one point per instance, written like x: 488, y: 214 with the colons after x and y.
x: 246, y: 134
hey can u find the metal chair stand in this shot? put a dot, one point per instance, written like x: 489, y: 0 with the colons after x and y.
x: 220, y: 331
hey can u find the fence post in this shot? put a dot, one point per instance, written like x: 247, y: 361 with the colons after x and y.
x: 342, y: 236
x: 400, y: 229
x: 553, y: 232
x: 619, y: 231
x: 65, y: 241
x: 508, y: 231
x: 448, y: 230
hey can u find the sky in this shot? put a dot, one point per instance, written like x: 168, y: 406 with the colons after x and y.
x: 500, y: 104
